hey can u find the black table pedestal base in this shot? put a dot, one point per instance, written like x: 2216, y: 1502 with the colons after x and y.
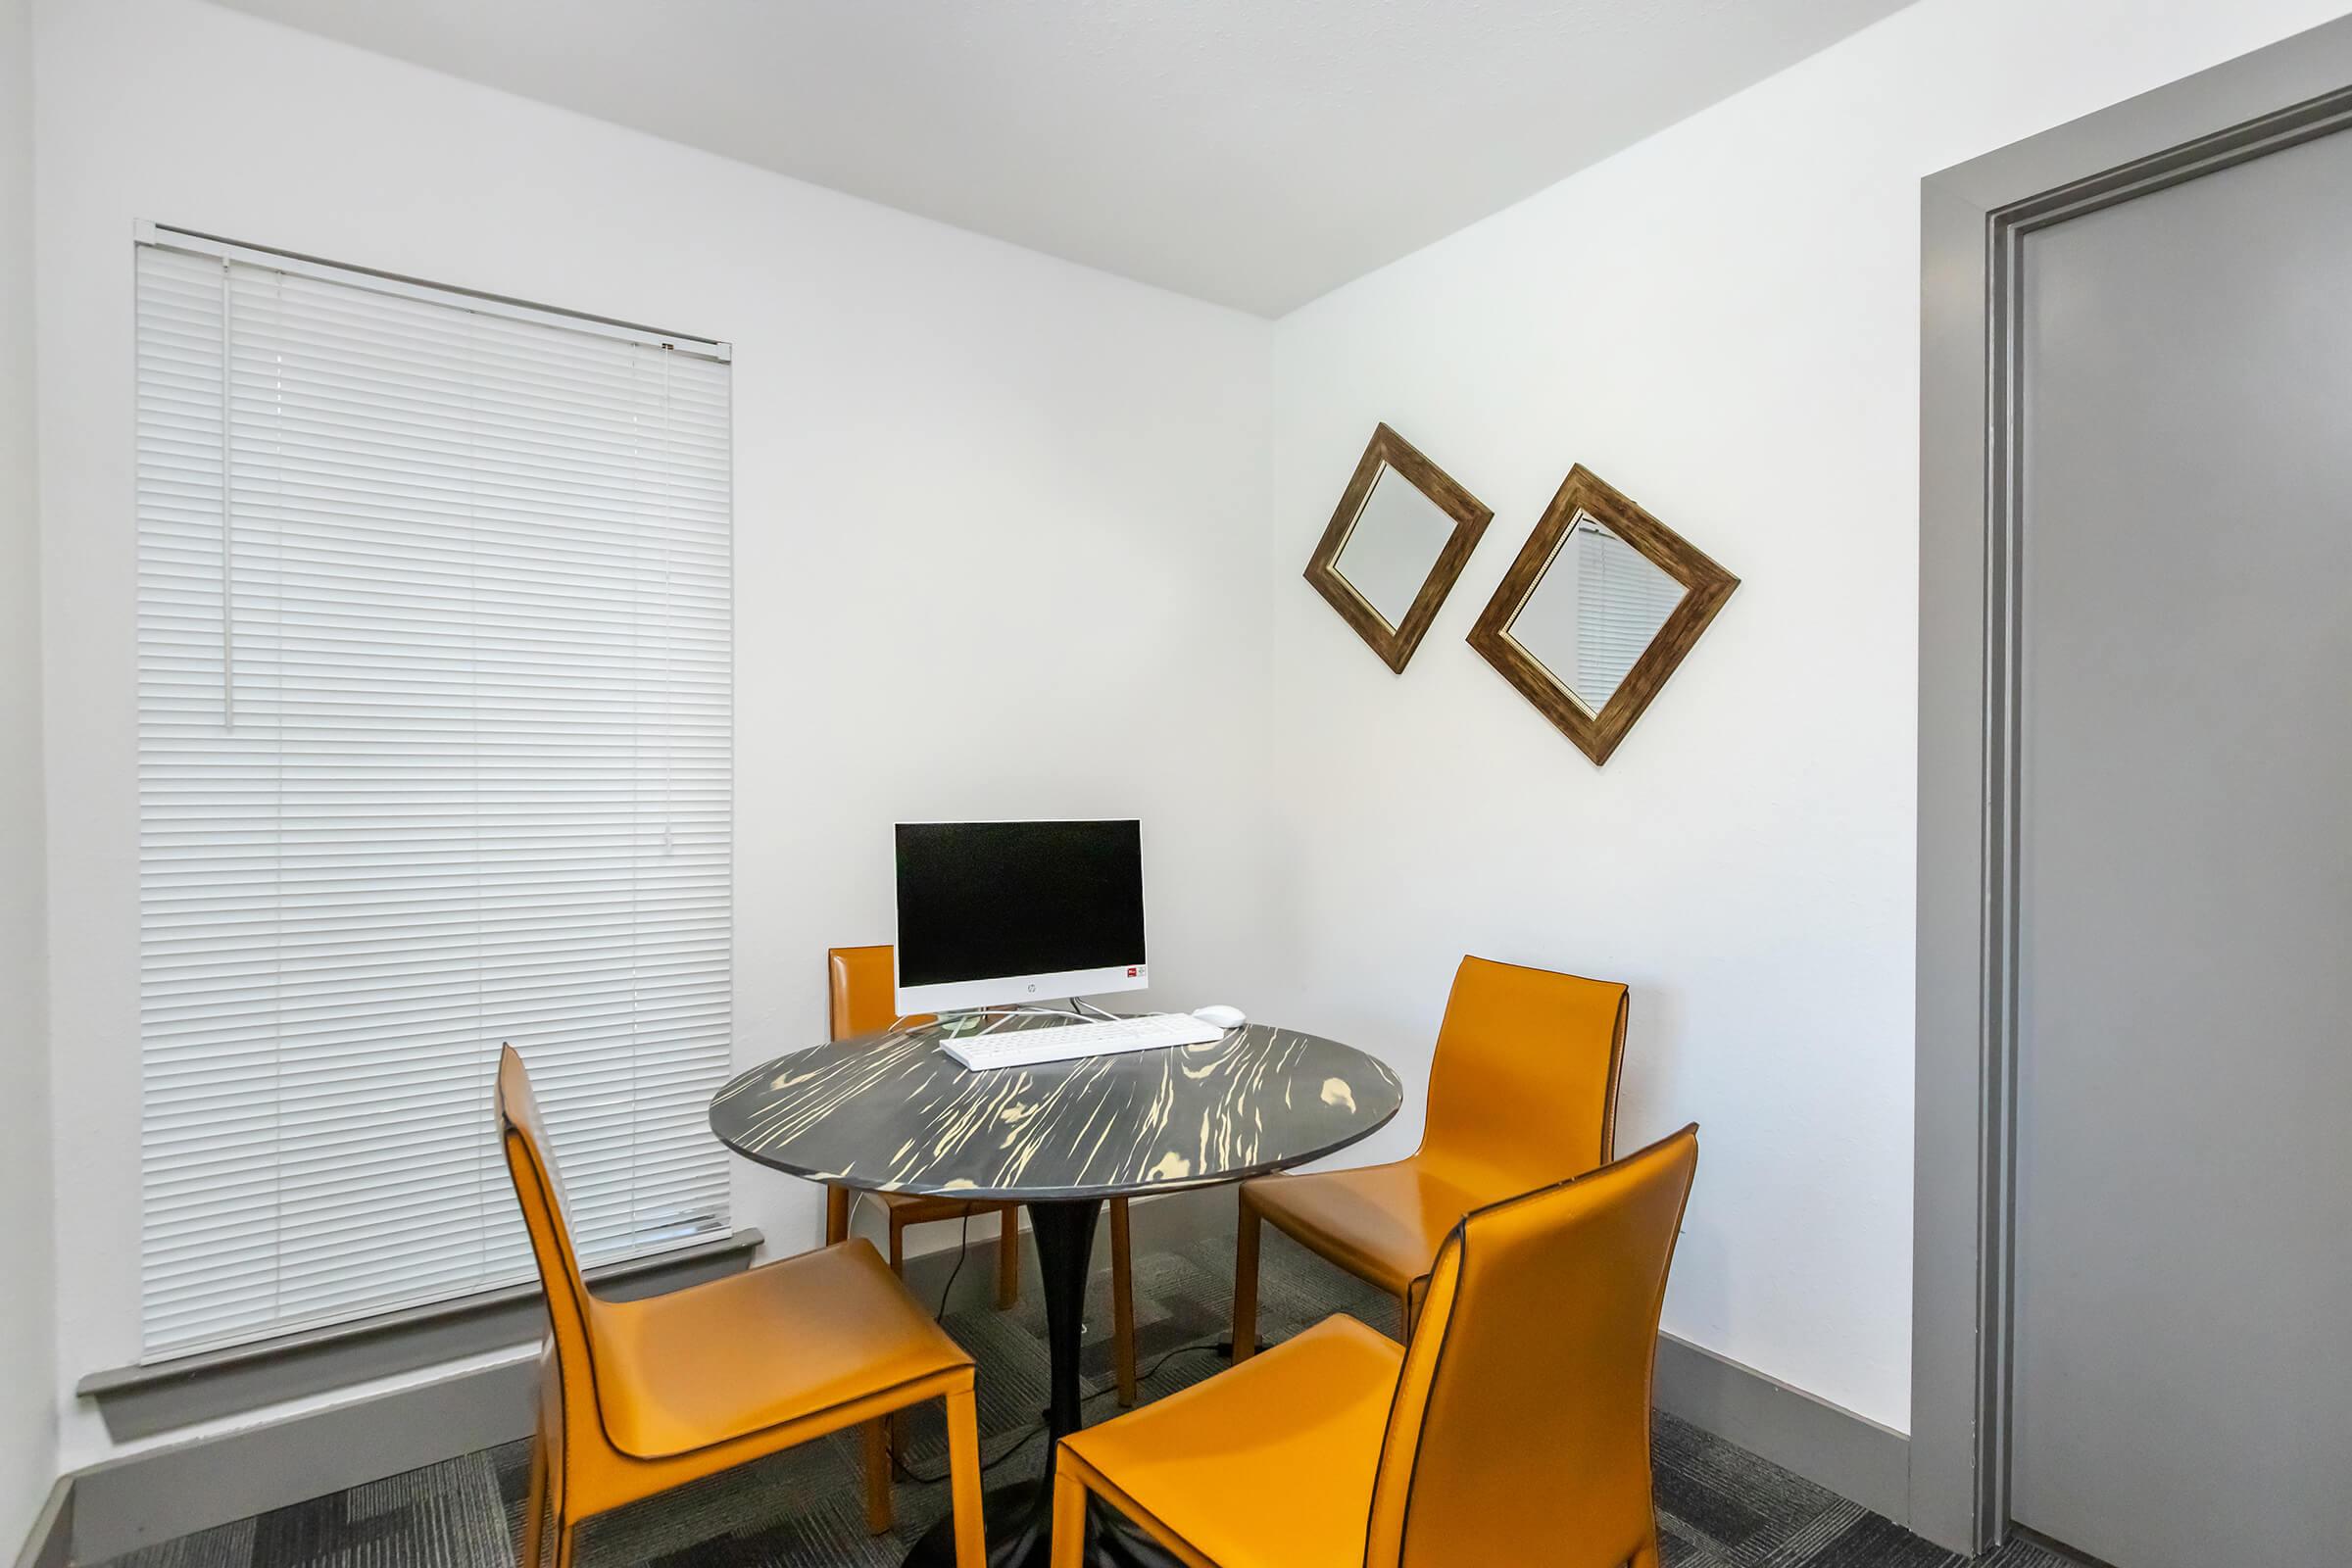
x: 1020, y: 1517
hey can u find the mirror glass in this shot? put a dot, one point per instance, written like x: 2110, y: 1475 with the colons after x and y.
x: 1595, y: 612
x: 1394, y: 545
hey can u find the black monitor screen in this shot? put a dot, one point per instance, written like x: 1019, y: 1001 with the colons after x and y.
x: 980, y: 900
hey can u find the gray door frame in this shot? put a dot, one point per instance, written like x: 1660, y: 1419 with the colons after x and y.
x: 1974, y: 220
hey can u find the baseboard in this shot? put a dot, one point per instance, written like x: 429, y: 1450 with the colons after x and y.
x: 136, y: 1501
x: 146, y: 1401
x: 172, y: 1491
x: 154, y: 1495
x: 1827, y: 1444
x: 51, y: 1541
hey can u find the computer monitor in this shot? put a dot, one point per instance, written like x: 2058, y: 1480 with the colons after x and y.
x: 992, y: 913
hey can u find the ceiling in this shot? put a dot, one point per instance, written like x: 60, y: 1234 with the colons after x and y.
x: 1257, y: 153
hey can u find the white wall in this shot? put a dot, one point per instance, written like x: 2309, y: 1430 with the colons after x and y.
x: 1724, y: 322
x: 27, y: 1418
x: 989, y: 509
x: 942, y: 441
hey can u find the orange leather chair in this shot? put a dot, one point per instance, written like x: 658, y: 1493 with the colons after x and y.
x: 1522, y: 1093
x: 1514, y: 1429
x: 636, y: 1397
x: 1511, y: 1430
x: 862, y: 987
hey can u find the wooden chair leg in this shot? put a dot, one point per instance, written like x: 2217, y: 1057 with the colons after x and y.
x: 1008, y: 1258
x: 964, y: 1480
x: 1122, y: 1301
x: 898, y: 1266
x: 1244, y: 1287
x: 534, y: 1504
x: 877, y: 1476
x: 1069, y: 1519
x: 566, y: 1537
x: 837, y: 1215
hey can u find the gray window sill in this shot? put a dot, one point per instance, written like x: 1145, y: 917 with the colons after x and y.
x: 141, y: 1401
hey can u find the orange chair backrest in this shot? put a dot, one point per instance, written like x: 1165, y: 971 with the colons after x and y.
x: 1520, y: 1432
x: 532, y: 1164
x: 1524, y: 1081
x: 862, y: 987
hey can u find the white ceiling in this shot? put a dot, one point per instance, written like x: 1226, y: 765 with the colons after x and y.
x: 1257, y: 153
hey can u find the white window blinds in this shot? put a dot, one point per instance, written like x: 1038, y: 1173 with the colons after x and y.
x: 434, y: 753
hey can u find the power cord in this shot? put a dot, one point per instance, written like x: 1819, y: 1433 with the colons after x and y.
x: 1030, y: 1010
x: 1153, y: 1371
x: 906, y: 1472
x: 963, y: 1250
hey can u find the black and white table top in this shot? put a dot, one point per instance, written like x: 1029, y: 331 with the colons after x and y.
x: 891, y: 1112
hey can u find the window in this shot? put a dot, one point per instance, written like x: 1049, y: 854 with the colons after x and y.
x: 434, y: 753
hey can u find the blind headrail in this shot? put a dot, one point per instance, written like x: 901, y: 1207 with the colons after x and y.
x: 167, y: 237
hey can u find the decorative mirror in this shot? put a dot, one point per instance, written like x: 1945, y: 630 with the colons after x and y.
x: 1401, y: 537
x: 1597, y: 610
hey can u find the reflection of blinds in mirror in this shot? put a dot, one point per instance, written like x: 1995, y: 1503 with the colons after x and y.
x: 1622, y: 599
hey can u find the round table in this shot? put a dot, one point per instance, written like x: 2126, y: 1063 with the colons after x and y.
x: 890, y: 1111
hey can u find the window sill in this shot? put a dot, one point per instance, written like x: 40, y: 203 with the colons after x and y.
x: 140, y: 1401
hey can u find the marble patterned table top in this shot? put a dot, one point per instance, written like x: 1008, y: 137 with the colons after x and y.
x: 889, y: 1111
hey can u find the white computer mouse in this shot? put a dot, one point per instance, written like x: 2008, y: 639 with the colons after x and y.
x: 1223, y: 1017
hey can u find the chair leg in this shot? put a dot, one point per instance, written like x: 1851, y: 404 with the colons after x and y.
x: 1008, y: 1258
x: 837, y: 1215
x: 877, y: 1476
x: 534, y: 1504
x: 1122, y: 1301
x: 1410, y: 1301
x: 964, y: 1480
x: 898, y: 1266
x: 1244, y: 1287
x: 566, y: 1536
x: 1069, y: 1519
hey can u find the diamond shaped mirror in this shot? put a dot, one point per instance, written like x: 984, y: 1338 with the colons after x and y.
x: 1393, y: 550
x: 1601, y: 606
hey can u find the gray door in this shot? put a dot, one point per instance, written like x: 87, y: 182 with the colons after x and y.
x: 2182, y: 1356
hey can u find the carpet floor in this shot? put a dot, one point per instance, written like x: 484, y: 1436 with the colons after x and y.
x: 1719, y: 1506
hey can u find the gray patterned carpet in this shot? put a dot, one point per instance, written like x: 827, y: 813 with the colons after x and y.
x: 1719, y: 1506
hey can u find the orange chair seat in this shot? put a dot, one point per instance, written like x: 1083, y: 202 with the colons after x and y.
x: 1267, y: 1464
x: 1382, y: 1223
x: 757, y: 1350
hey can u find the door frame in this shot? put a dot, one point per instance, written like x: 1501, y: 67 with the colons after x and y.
x: 1974, y: 217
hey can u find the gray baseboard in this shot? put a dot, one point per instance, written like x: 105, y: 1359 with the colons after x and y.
x: 145, y: 1402
x: 167, y: 1491
x: 50, y: 1545
x: 1827, y: 1444
x: 145, y: 1498
x: 170, y: 1491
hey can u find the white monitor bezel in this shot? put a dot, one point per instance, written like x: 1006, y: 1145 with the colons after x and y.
x: 963, y: 996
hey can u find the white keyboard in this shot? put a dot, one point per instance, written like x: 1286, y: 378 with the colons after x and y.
x: 1027, y: 1048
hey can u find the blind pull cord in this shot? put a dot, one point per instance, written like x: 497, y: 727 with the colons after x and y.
x: 229, y: 527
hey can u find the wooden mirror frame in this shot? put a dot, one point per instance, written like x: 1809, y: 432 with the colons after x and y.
x: 1706, y: 584
x: 1396, y: 645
